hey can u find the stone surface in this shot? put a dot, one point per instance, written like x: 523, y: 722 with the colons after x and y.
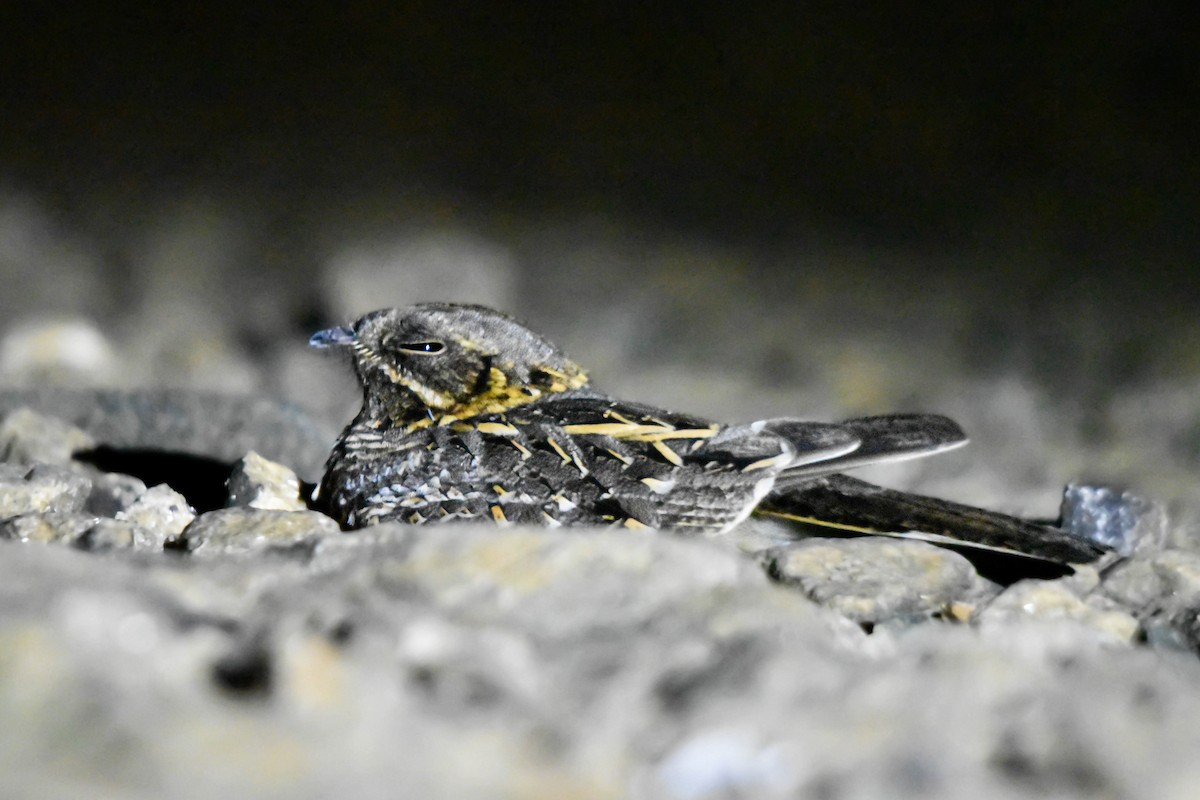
x: 118, y: 534
x: 1122, y: 520
x: 56, y: 350
x: 248, y: 530
x: 259, y: 483
x: 1054, y: 600
x: 207, y: 424
x: 160, y: 510
x: 27, y: 437
x: 479, y: 663
x: 44, y: 489
x: 50, y: 527
x: 1171, y: 576
x: 875, y: 580
x: 1163, y: 591
x: 113, y: 493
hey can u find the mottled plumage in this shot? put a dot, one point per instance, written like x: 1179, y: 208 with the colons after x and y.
x: 468, y: 414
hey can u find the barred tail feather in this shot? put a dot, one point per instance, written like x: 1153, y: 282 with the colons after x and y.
x: 841, y: 502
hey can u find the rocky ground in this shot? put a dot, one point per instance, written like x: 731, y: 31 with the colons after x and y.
x: 175, y: 622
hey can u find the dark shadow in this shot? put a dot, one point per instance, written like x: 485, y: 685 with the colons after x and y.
x: 198, y: 478
x: 1008, y: 568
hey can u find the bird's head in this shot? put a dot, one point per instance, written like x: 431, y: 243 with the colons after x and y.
x: 435, y: 361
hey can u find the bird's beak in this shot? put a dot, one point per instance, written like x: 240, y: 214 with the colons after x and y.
x: 333, y: 337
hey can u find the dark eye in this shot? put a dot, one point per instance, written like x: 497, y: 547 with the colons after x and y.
x: 422, y: 347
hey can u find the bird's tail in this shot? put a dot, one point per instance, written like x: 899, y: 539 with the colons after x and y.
x: 850, y: 505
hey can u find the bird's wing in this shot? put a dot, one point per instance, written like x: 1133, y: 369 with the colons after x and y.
x: 681, y: 439
x: 893, y: 437
x: 843, y: 503
x: 660, y: 468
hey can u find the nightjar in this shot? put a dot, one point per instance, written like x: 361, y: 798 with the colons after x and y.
x: 467, y: 414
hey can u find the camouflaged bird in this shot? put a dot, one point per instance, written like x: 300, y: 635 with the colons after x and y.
x: 467, y: 414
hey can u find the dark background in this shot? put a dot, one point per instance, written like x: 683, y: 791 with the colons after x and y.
x: 1071, y: 124
x: 880, y: 202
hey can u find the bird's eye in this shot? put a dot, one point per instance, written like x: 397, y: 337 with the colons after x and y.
x: 425, y: 348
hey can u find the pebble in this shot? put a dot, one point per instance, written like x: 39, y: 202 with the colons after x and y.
x: 113, y: 493
x: 259, y: 483
x: 1172, y: 575
x: 27, y: 437
x: 873, y: 580
x: 1121, y: 520
x: 50, y: 527
x: 43, y: 489
x: 1163, y: 591
x: 118, y: 534
x: 56, y: 351
x: 161, y: 510
x: 248, y: 530
x: 1054, y: 600
x: 203, y: 424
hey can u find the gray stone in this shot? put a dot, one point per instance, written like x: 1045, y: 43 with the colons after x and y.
x: 1163, y: 590
x: 1144, y: 585
x: 247, y: 530
x: 118, y: 534
x: 874, y: 580
x: 44, y: 489
x: 585, y: 664
x: 27, y: 437
x: 1122, y: 520
x: 160, y: 510
x: 1055, y: 600
x: 218, y: 426
x: 113, y: 493
x: 61, y: 351
x: 50, y: 527
x: 258, y: 483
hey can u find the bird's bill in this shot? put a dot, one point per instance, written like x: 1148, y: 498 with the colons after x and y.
x: 332, y: 337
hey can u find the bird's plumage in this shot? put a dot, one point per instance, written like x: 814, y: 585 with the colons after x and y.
x: 468, y: 414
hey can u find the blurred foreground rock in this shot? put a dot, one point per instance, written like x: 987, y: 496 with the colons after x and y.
x: 471, y: 662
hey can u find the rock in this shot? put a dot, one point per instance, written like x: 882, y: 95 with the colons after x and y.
x: 246, y: 530
x: 873, y: 580
x: 1054, y: 600
x: 723, y: 762
x: 44, y: 489
x: 50, y: 527
x: 1120, y: 520
x: 56, y: 351
x: 258, y: 483
x: 161, y: 511
x: 1163, y: 591
x: 1144, y: 585
x: 206, y: 424
x: 27, y: 437
x: 113, y: 493
x: 579, y: 575
x: 118, y: 534
x: 567, y: 663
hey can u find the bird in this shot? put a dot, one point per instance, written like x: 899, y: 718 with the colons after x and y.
x: 469, y: 414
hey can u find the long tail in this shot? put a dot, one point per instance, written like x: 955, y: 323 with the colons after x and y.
x: 844, y: 503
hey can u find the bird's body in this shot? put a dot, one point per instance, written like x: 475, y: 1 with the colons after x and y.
x: 467, y: 414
